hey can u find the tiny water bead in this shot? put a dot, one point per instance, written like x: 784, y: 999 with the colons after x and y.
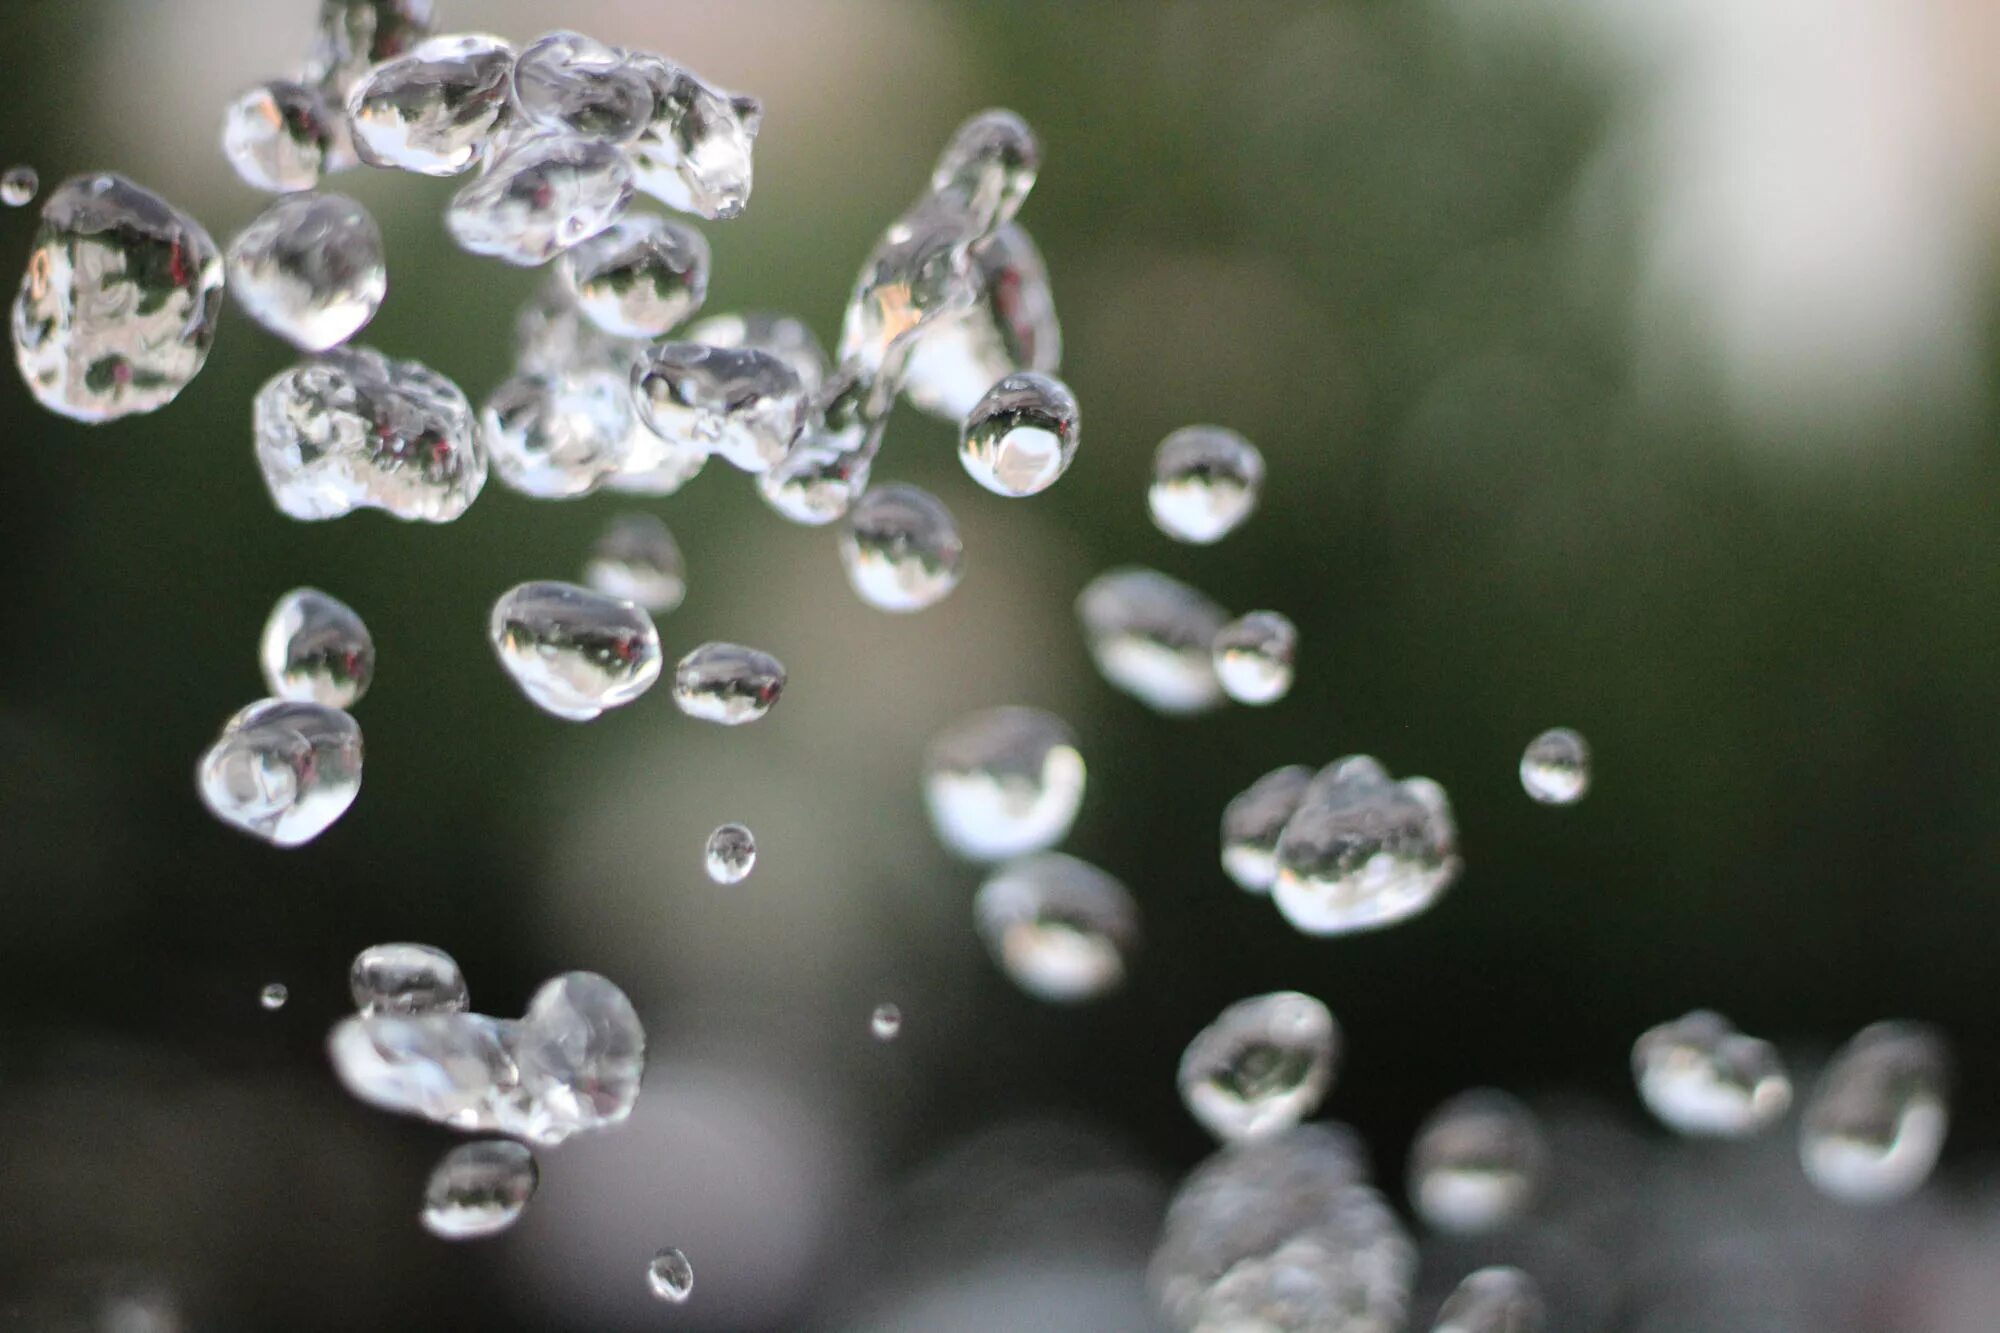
x: 1059, y: 927
x: 1206, y: 480
x: 406, y: 979
x: 1151, y: 637
x: 282, y: 771
x: 731, y: 854
x: 783, y: 336
x: 574, y: 652
x: 555, y: 437
x: 1254, y: 654
x: 740, y: 403
x: 278, y: 136
x: 1702, y: 1077
x: 19, y: 185
x: 316, y: 649
x: 1476, y: 1163
x: 1555, y: 768
x: 567, y: 82
x: 1253, y: 821
x: 1022, y: 435
x: 671, y: 1277
x: 1877, y: 1118
x: 479, y: 1189
x: 433, y: 110
x: 273, y: 996
x: 1003, y: 782
x: 637, y: 559
x: 901, y: 549
x: 1261, y: 1067
x: 695, y: 152
x: 728, y: 683
x: 886, y: 1023
x: 639, y: 277
x: 310, y: 269
x: 542, y: 195
x: 1010, y: 326
x: 1494, y: 1300
x: 1364, y: 851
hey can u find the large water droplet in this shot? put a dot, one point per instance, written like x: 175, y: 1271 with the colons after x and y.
x: 671, y: 1276
x: 728, y: 683
x: 555, y: 437
x: 451, y: 1068
x: 479, y: 1189
x: 434, y: 110
x: 740, y: 403
x: 829, y: 465
x: 1477, y: 1162
x: 919, y: 275
x: 406, y: 979
x: 283, y: 770
x: 1003, y: 782
x: 354, y: 34
x: 273, y: 996
x: 638, y: 560
x: 542, y: 195
x: 577, y: 85
x: 987, y: 169
x: 1254, y: 655
x: 1205, y: 482
x: 117, y: 309
x: 1151, y: 637
x: 574, y: 652
x: 901, y: 549
x: 886, y: 1023
x: 783, y: 336
x: 1022, y: 435
x: 1363, y: 851
x: 552, y: 336
x: 1060, y: 927
x: 1253, y: 821
x: 1494, y: 1300
x: 1555, y: 768
x: 695, y: 152
x: 581, y: 1052
x: 1702, y: 1077
x: 310, y: 269
x: 19, y: 185
x: 1878, y: 1116
x: 316, y: 649
x: 730, y: 855
x: 1011, y: 326
x: 1261, y: 1067
x: 639, y: 277
x: 278, y: 136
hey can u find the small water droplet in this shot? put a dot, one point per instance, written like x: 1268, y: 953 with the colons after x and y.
x: 783, y: 336
x: 694, y: 154
x: 316, y: 649
x: 886, y: 1022
x: 556, y: 437
x: 639, y: 277
x: 310, y: 269
x: 1152, y: 637
x: 1254, y: 655
x: 1022, y: 435
x: 728, y: 683
x: 987, y: 169
x: 574, y: 652
x: 1003, y: 782
x: 637, y: 559
x: 1060, y: 928
x: 671, y: 1276
x: 434, y: 109
x: 274, y: 995
x: 1476, y: 1163
x: 740, y: 403
x: 1702, y: 1077
x: 1364, y: 851
x: 829, y: 465
x: 1494, y: 1300
x: 1253, y: 821
x: 1206, y: 480
x: 730, y: 855
x: 406, y: 979
x: 278, y: 136
x: 1877, y: 1119
x: 19, y: 185
x: 479, y: 1189
x: 282, y: 771
x: 574, y: 84
x: 1261, y: 1067
x: 1555, y: 768
x: 901, y: 549
x: 542, y: 195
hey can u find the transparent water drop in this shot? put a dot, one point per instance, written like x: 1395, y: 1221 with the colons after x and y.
x: 1022, y: 435
x: 1477, y: 1163
x: 730, y: 855
x: 1702, y: 1077
x: 406, y: 979
x: 1254, y: 656
x: 436, y: 108
x: 1253, y: 821
x: 479, y: 1189
x: 1555, y: 768
x: 117, y: 309
x: 542, y: 195
x: 18, y: 185
x: 639, y: 277
x: 581, y: 1052
x: 987, y: 169
x: 901, y: 549
x: 1150, y: 637
x: 282, y: 770
x: 1003, y: 782
x: 739, y: 403
x: 1363, y: 851
x: 638, y: 560
x: 695, y: 152
x: 1494, y: 1300
x: 919, y: 275
x: 1206, y: 480
x: 1060, y: 928
x: 354, y: 430
x: 310, y: 269
x: 355, y: 34
x: 574, y: 84
x: 451, y: 1068
x: 273, y: 996
x: 556, y: 437
x: 886, y: 1022
x: 1877, y: 1118
x: 1261, y: 1067
x: 1010, y: 327
x: 728, y: 683
x: 552, y: 336
x: 829, y: 465
x: 671, y: 1276
x: 783, y: 336
x: 279, y: 136
x: 574, y: 652
x: 316, y: 649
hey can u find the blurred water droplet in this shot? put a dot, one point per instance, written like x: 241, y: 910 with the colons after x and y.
x: 1003, y: 782
x: 310, y: 269
x: 1261, y: 1067
x: 581, y: 1052
x: 354, y: 34
x: 1022, y: 435
x: 552, y: 336
x: 783, y: 336
x: 1010, y: 326
x: 639, y: 277
x: 273, y: 996
x: 886, y: 1022
x: 447, y: 1067
x: 1206, y: 480
x: 728, y: 683
x: 1254, y: 655
x: 739, y: 403
x: 406, y: 979
x: 18, y: 186
x: 575, y: 84
x: 987, y: 169
x: 574, y: 652
x: 1493, y: 1300
x: 278, y: 136
x: 1555, y: 768
x: 918, y: 275
x: 694, y: 154
x: 671, y: 1276
x: 901, y: 549
x: 829, y: 465
x: 316, y: 649
x: 1476, y: 1163
x: 1253, y: 821
x: 730, y: 855
x: 435, y: 109
x: 282, y: 770
x: 479, y: 1189
x: 542, y: 195
x: 1151, y: 637
x: 555, y: 437
x: 637, y: 559
x: 1060, y: 928
x: 1877, y: 1119
x: 1364, y: 851
x: 1702, y: 1077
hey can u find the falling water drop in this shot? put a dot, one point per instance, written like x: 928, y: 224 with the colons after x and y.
x: 987, y: 169
x: 282, y: 771
x: 556, y: 437
x: 316, y: 649
x: 278, y: 136
x: 728, y: 683
x: 1555, y: 768
x: 1152, y: 637
x: 730, y: 855
x: 886, y: 1022
x: 1060, y: 928
x: 1364, y: 851
x: 581, y: 1054
x: 1253, y: 821
x: 310, y: 269
x: 1253, y: 657
x: 574, y: 652
x: 574, y: 84
x: 1877, y: 1119
x: 694, y: 154
x: 406, y: 979
x: 1010, y: 326
x: 637, y: 559
x: 901, y: 549
x: 19, y: 185
x: 1476, y: 1163
x: 542, y: 195
x: 273, y: 996
x: 479, y: 1189
x: 639, y: 277
x: 671, y: 1277
x: 435, y: 109
x: 1003, y: 782
x: 1206, y: 480
x: 1702, y: 1077
x: 1022, y: 435
x: 1261, y: 1067
x: 740, y: 403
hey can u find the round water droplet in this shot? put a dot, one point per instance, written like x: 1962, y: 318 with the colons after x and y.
x: 581, y: 1053
x: 638, y: 560
x: 901, y: 549
x: 310, y: 269
x: 1261, y: 1067
x: 283, y: 771
x: 278, y: 136
x: 987, y: 169
x: 1878, y: 1116
x: 671, y: 1276
x: 1205, y: 483
x: 1364, y: 851
x: 1059, y: 927
x: 117, y: 309
x: 1477, y: 1162
x: 574, y: 84
x: 479, y: 1189
x: 694, y: 153
x: 783, y: 336
x: 574, y: 652
x: 434, y: 109
x: 542, y: 195
x: 1253, y: 657
x: 406, y: 979
x: 731, y: 854
x: 1252, y: 822
x: 1022, y: 435
x: 639, y: 277
x: 1555, y: 768
x: 728, y: 683
x: 1010, y: 326
x: 1003, y: 782
x: 740, y: 403
x: 1702, y: 1077
x: 886, y: 1022
x: 1151, y: 637
x: 555, y: 437
x: 19, y: 185
x: 316, y: 649
x: 1494, y: 1300
x: 274, y: 995
x: 355, y: 34
x: 455, y: 1069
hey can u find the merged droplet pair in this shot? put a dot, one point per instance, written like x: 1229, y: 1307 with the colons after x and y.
x: 1175, y: 650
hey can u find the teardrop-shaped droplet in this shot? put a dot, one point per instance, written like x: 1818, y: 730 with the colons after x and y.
x: 728, y: 683
x: 1253, y: 821
x: 695, y: 152
x: 901, y: 549
x: 730, y: 855
x: 671, y: 1277
x: 310, y: 269
x: 1555, y: 768
x: 638, y: 560
x: 316, y: 649
x: 1254, y: 655
x: 19, y: 185
x: 479, y: 1189
x: 433, y: 110
x: 739, y: 403
x: 355, y: 34
x: 406, y: 979
x: 278, y: 136
x: 1494, y: 1300
x: 1364, y: 852
x: 542, y: 195
x: 1206, y: 480
x: 1477, y: 1162
x: 886, y: 1023
x: 282, y: 770
x: 574, y: 652
x: 1011, y: 326
x: 987, y: 169
x: 783, y: 336
x: 451, y: 1068
x: 1261, y: 1067
x: 555, y: 437
x: 639, y: 277
x: 1877, y: 1119
x: 1702, y: 1077
x: 1151, y: 637
x: 1060, y: 928
x: 1022, y: 435
x: 274, y: 996
x: 117, y: 309
x: 581, y: 1052
x: 1003, y: 782
x: 920, y: 274
x: 573, y: 84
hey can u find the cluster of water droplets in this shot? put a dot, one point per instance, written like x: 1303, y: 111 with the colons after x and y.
x: 1702, y: 1077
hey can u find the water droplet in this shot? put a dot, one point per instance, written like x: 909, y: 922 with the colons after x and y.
x: 555, y: 437
x: 406, y: 979
x: 730, y: 855
x: 1702, y: 1077
x: 829, y: 465
x: 316, y: 649
x: 1253, y: 821
x: 1494, y: 1300
x: 1477, y: 1162
x: 671, y: 1276
x: 919, y: 275
x: 1254, y: 654
x: 886, y: 1022
x: 117, y: 309
x: 1011, y: 326
x: 450, y: 1068
x: 273, y: 996
x: 283, y: 771
x: 1878, y: 1116
x: 310, y: 269
x: 783, y: 336
x: 354, y: 34
x: 1205, y: 482
x: 575, y: 84
x: 1059, y: 927
x: 278, y: 136
x: 354, y: 430
x: 1003, y: 782
x: 901, y: 549
x: 581, y: 1052
x: 1555, y: 768
x: 552, y: 336
x: 638, y: 560
x: 574, y: 652
x: 728, y: 683
x: 694, y: 154
x: 639, y: 277
x: 542, y: 195
x: 987, y: 169
x: 740, y: 403
x: 1261, y: 1067
x: 1364, y: 851
x: 479, y: 1189
x: 1022, y: 435
x: 1150, y: 637
x: 19, y: 185
x: 435, y: 109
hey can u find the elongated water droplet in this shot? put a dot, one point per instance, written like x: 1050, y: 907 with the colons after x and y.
x: 1878, y: 1116
x: 1702, y: 1077
x: 1022, y: 435
x: 278, y: 136
x: 730, y: 855
x: 282, y: 770
x: 1206, y: 480
x: 638, y: 560
x: 354, y: 34
x: 354, y: 430
x: 316, y: 649
x: 406, y: 979
x: 1003, y: 782
x: 581, y: 1052
x: 310, y: 269
x: 901, y: 549
x: 1010, y: 326
x: 451, y: 1068
x: 1494, y: 1300
x: 542, y: 195
x: 694, y: 154
x: 741, y: 404
x: 117, y: 309
x: 19, y: 185
x: 1254, y: 655
x: 1151, y: 638
x: 1253, y: 821
x: 1261, y: 1067
x: 1363, y: 851
x: 987, y: 169
x: 783, y: 336
x: 273, y: 996
x: 574, y: 652
x: 433, y: 110
x: 479, y: 1189
x: 1555, y: 768
x: 671, y: 1276
x: 919, y: 275
x: 577, y: 85
x: 1477, y: 1162
x: 1060, y: 928
x: 555, y: 437
x: 639, y: 277
x: 728, y: 683
x: 886, y: 1022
